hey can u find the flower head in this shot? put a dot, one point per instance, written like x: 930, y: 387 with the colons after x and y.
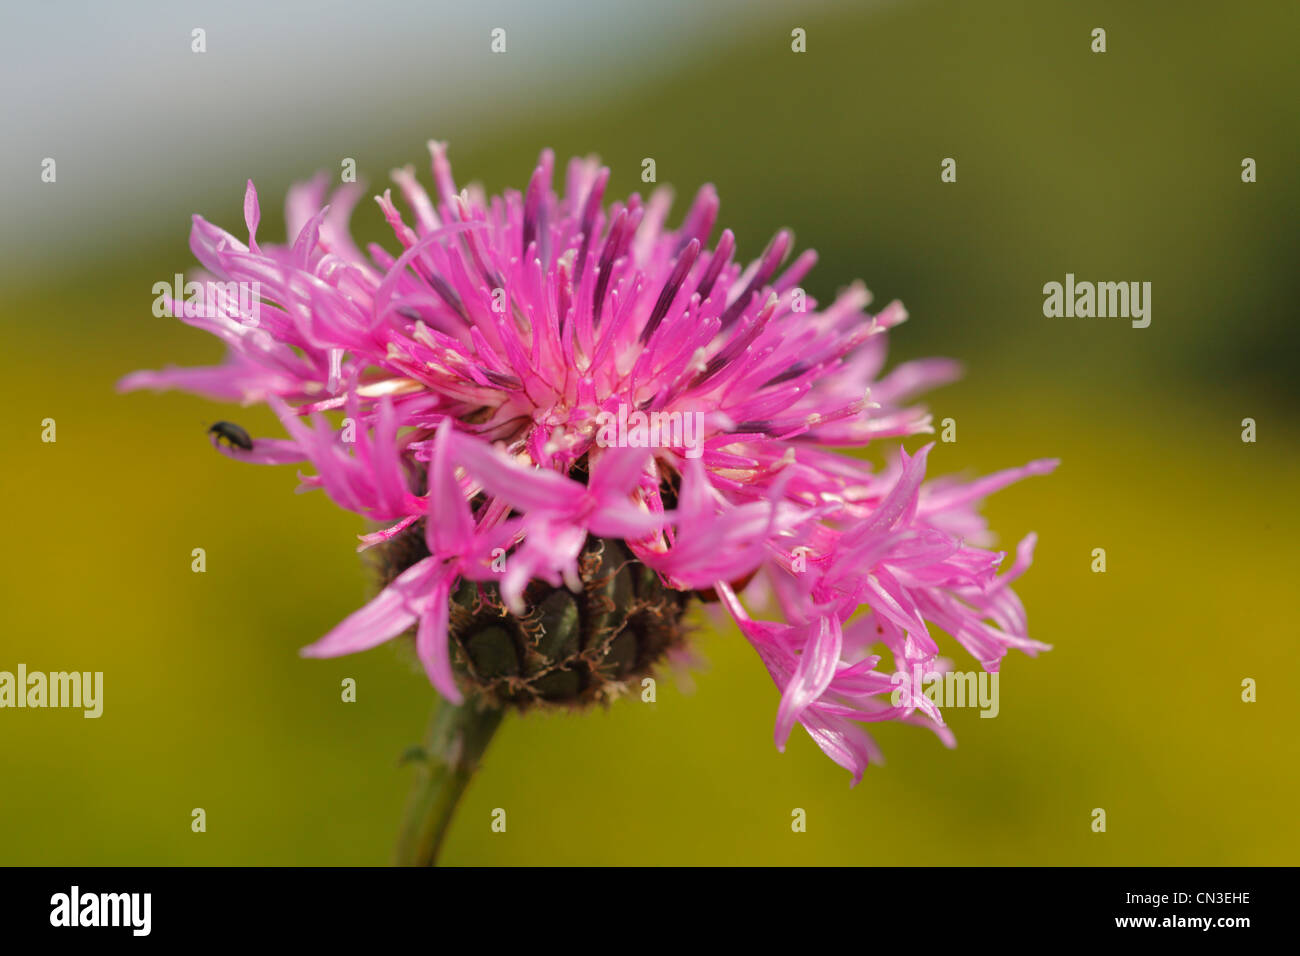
x: 570, y: 420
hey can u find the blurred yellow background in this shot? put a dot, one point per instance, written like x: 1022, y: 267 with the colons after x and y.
x: 1121, y: 166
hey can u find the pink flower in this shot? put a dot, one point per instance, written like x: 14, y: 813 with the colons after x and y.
x: 455, y: 393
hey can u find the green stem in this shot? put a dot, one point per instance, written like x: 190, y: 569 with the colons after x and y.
x: 457, y: 739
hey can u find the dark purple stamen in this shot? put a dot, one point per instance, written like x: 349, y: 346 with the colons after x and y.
x: 773, y: 256
x: 675, y: 280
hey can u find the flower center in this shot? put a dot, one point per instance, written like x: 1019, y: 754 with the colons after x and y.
x: 567, y: 648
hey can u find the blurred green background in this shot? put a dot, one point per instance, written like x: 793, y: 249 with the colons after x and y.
x: 1116, y: 166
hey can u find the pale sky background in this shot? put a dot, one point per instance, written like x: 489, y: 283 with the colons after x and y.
x: 137, y: 122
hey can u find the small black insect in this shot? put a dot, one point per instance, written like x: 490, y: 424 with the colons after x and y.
x: 235, y: 436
